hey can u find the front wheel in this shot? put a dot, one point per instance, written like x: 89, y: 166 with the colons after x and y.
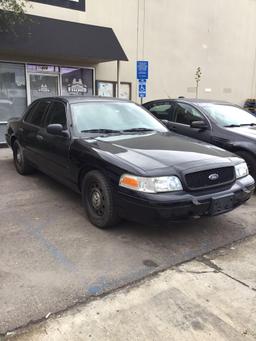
x: 98, y: 200
x: 22, y: 165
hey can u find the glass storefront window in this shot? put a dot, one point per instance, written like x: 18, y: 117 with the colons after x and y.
x: 76, y: 81
x: 43, y: 85
x: 13, y: 99
x: 43, y: 81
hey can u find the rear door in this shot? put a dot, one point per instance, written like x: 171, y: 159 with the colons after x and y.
x: 163, y: 110
x: 184, y: 115
x: 29, y: 131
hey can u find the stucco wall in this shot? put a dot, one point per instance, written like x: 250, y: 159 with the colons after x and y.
x: 177, y: 36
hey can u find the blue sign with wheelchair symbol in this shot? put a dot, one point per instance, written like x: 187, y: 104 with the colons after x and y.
x: 142, y: 89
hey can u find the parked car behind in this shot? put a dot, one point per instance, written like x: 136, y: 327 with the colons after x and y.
x: 124, y: 162
x: 250, y: 105
x: 220, y: 123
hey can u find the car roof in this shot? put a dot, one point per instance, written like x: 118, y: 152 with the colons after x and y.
x: 84, y: 99
x: 190, y: 100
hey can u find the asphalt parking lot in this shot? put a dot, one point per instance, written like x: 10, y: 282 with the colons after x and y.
x: 52, y: 258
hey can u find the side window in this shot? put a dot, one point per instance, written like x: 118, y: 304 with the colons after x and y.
x: 161, y: 110
x: 186, y: 114
x: 29, y: 113
x: 36, y: 113
x: 57, y: 115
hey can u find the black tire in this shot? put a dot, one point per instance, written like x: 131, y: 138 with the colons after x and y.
x: 22, y: 165
x: 250, y: 160
x: 98, y: 200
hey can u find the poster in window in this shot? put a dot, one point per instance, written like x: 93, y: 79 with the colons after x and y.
x: 105, y: 89
x: 77, y: 81
x: 43, y: 86
x: 125, y: 91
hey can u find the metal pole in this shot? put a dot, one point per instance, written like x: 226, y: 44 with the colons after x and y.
x: 118, y: 79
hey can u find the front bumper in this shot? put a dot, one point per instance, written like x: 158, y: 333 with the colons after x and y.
x: 148, y: 208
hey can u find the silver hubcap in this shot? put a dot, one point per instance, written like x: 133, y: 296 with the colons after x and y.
x: 96, y: 199
x: 19, y: 156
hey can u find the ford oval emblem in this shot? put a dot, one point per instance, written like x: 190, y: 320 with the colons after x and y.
x: 213, y: 177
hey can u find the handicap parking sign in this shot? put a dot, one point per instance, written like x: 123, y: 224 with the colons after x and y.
x: 142, y: 89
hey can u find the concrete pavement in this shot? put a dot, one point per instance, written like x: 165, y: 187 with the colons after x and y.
x: 210, y: 298
x: 52, y: 258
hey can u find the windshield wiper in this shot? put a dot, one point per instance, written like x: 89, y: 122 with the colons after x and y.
x: 248, y: 124
x: 103, y: 131
x: 110, y: 131
x: 137, y: 129
x: 232, y: 126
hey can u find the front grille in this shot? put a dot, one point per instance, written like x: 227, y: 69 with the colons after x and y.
x: 201, y: 180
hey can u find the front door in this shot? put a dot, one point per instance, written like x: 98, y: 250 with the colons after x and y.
x: 42, y: 85
x: 55, y: 148
x: 184, y: 115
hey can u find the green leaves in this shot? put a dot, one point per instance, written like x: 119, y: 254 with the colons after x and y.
x: 198, y: 75
x: 12, y: 12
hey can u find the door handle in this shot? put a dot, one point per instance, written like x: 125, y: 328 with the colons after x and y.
x: 173, y: 128
x: 39, y: 137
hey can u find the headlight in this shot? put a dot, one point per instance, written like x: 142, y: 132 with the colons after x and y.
x: 151, y: 185
x: 241, y: 170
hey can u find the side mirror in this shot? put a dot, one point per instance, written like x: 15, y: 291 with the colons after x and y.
x: 56, y: 129
x: 165, y: 122
x: 199, y: 125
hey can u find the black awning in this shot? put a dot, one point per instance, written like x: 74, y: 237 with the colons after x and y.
x: 45, y: 40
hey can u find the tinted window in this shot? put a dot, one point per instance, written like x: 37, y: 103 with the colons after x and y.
x: 161, y: 110
x: 30, y: 111
x: 57, y: 114
x: 36, y: 113
x: 186, y: 114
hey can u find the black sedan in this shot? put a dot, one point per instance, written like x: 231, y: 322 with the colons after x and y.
x: 220, y: 123
x: 125, y: 162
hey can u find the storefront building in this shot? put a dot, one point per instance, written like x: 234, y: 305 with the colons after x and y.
x: 45, y: 57
x: 88, y: 47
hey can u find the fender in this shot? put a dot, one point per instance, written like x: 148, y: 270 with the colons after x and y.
x: 245, y: 146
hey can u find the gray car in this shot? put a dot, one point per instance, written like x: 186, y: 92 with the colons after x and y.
x: 220, y: 123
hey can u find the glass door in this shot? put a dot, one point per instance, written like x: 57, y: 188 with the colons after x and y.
x: 42, y: 85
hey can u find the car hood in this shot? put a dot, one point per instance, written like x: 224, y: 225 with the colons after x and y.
x: 249, y: 132
x: 155, y: 151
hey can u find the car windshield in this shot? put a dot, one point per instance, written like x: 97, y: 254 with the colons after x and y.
x: 228, y: 115
x: 112, y: 117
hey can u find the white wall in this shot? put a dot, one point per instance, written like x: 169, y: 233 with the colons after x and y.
x: 177, y: 36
